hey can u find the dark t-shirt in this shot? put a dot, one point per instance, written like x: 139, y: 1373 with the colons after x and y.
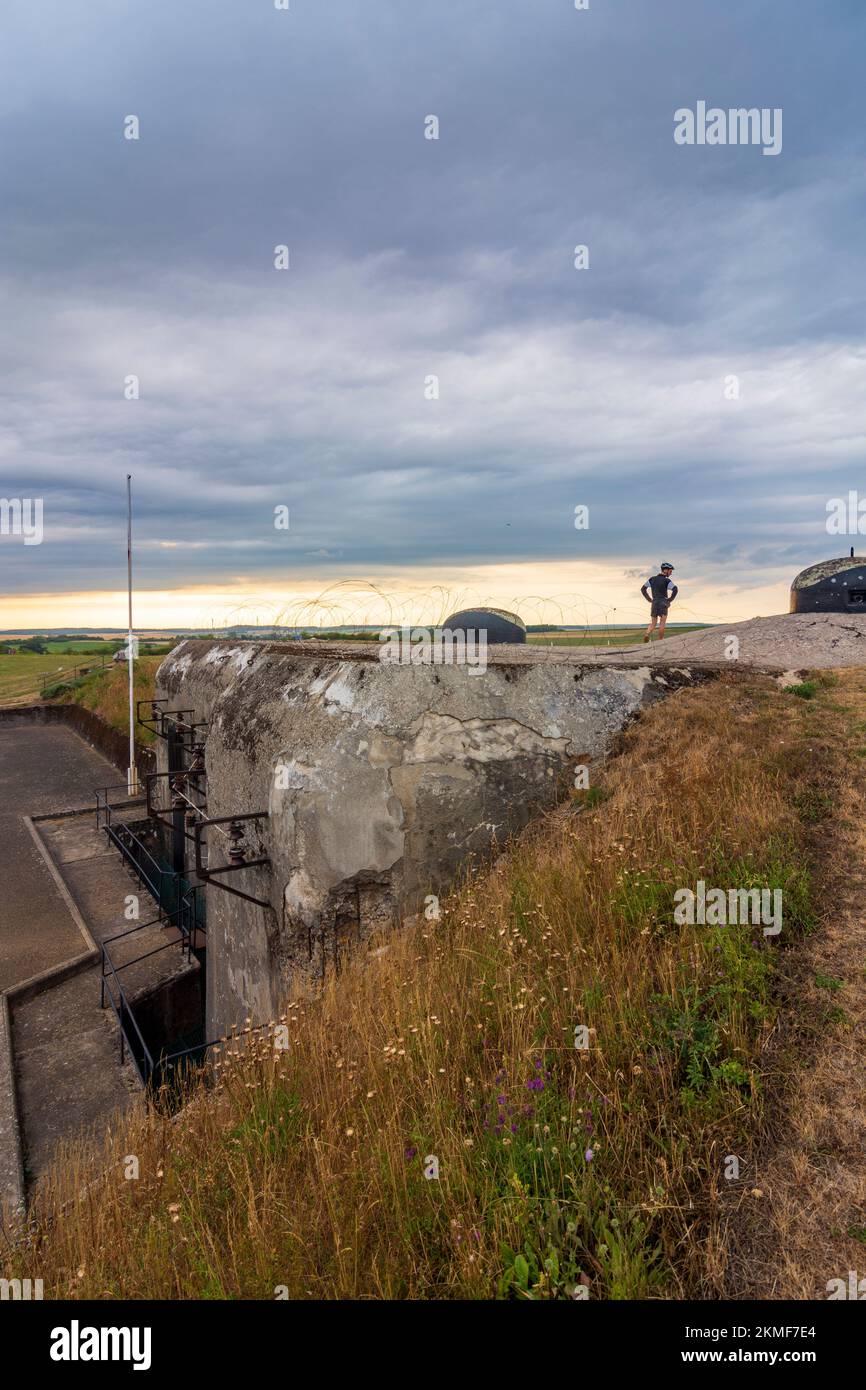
x: 661, y: 589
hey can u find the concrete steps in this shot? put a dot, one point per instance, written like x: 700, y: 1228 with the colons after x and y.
x: 64, y: 892
x: 66, y: 1047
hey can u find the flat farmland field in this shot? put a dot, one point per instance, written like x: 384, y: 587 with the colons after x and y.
x: 613, y: 637
x: 20, y: 675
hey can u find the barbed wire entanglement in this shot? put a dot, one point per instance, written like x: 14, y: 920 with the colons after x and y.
x: 358, y: 607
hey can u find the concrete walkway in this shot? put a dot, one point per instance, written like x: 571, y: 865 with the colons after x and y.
x: 65, y: 1069
x: 42, y: 768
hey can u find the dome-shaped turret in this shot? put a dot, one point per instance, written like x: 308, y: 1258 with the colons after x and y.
x: 833, y: 586
x: 499, y: 625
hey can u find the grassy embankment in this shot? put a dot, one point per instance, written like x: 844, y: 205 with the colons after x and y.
x: 558, y: 1167
x: 28, y: 676
x: 106, y: 693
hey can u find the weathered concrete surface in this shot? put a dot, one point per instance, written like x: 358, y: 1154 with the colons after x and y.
x: 59, y: 1066
x: 380, y: 783
x: 41, y: 769
x: 96, y: 733
x: 790, y: 641
x: 66, y: 1047
x: 67, y: 1068
x: 11, y: 1156
x: 784, y: 642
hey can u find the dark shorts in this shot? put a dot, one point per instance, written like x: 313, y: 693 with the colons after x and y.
x: 660, y: 608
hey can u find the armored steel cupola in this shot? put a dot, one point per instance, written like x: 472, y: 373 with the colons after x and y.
x: 832, y: 586
x: 498, y: 625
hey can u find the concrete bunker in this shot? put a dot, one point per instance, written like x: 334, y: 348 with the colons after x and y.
x: 355, y: 788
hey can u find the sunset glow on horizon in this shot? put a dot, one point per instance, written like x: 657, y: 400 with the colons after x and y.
x: 556, y: 593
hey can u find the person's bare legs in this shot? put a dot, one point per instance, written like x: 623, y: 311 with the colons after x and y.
x: 650, y: 629
x: 662, y: 620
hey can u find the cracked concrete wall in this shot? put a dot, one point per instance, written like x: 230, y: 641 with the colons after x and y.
x: 380, y: 781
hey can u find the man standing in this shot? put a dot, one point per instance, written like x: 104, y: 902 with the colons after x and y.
x: 660, y: 591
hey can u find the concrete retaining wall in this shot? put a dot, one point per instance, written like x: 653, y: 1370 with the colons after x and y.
x: 112, y: 744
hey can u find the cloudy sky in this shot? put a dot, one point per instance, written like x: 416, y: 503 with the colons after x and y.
x: 410, y: 258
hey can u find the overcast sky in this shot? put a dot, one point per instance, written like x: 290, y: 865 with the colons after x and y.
x: 412, y: 258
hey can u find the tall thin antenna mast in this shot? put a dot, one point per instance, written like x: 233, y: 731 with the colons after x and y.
x: 131, y: 777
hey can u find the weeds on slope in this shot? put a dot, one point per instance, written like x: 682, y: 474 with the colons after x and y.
x: 432, y: 1129
x: 106, y: 693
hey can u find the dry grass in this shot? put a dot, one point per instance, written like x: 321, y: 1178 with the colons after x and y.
x: 107, y: 694
x: 558, y: 1168
x: 810, y: 1225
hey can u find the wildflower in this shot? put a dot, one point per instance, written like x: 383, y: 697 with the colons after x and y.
x: 589, y: 1155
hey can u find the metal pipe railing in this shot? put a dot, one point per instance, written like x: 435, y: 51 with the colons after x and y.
x: 63, y: 672
x: 123, y: 1010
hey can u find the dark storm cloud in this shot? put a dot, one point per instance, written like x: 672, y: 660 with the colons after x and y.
x: 411, y: 258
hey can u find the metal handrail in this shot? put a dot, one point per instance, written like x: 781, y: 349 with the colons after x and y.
x: 150, y: 872
x: 103, y: 803
x: 122, y: 1003
x: 166, y: 919
x: 55, y: 677
x: 122, y: 835
x: 110, y: 972
x: 122, y: 1009
x: 130, y: 931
